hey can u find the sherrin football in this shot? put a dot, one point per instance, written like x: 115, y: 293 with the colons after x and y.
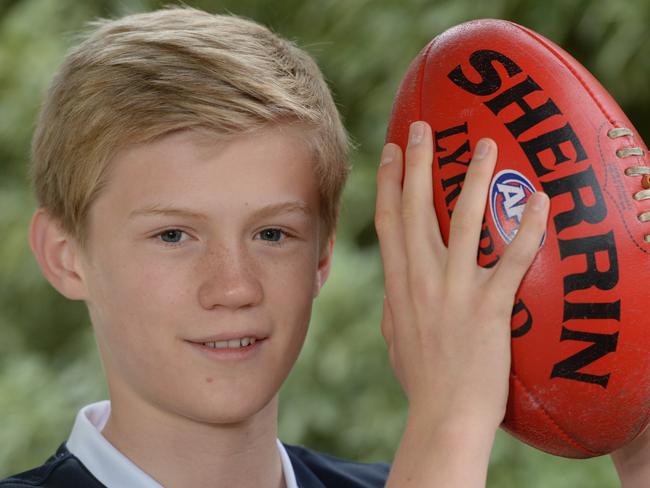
x: 580, y: 377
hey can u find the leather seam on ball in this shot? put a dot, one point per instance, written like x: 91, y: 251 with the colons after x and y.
x: 421, y: 71
x: 570, y: 68
x: 572, y: 442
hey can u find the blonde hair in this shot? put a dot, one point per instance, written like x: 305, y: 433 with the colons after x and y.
x: 143, y: 76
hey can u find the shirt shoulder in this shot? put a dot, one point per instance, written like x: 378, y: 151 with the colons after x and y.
x: 316, y: 469
x: 61, y: 470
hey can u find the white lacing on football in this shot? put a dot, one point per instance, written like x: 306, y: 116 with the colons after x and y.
x: 643, y: 171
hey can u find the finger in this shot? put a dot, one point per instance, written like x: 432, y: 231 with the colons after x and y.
x: 467, y: 217
x: 389, y: 227
x: 387, y: 323
x: 521, y: 252
x: 418, y: 211
x: 424, y: 246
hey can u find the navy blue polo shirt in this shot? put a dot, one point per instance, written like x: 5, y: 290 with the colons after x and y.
x: 89, y: 460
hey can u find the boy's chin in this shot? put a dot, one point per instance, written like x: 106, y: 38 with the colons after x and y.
x: 228, y: 410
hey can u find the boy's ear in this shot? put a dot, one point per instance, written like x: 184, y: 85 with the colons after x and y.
x: 57, y: 255
x: 324, y: 264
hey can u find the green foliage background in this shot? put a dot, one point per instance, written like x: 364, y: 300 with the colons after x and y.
x: 342, y: 396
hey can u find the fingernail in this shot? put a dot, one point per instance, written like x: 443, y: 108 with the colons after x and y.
x: 482, y: 148
x: 537, y: 201
x: 416, y: 133
x: 388, y: 154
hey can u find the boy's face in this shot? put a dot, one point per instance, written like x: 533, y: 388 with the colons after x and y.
x: 185, y: 247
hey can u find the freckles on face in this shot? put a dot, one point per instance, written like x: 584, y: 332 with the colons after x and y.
x: 191, y: 239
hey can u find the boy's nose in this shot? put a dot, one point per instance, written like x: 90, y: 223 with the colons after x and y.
x: 229, y: 280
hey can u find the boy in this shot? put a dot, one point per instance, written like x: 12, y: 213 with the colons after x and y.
x: 188, y: 169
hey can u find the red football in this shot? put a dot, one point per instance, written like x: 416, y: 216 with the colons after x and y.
x: 580, y: 377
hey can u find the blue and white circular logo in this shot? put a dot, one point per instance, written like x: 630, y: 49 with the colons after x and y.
x: 509, y: 192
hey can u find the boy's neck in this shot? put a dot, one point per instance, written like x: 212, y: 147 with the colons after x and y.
x: 177, y: 451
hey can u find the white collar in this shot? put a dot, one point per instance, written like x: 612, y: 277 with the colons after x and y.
x: 113, y: 468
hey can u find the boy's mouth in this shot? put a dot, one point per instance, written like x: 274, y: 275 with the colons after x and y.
x: 230, y: 348
x: 230, y: 344
x: 228, y: 341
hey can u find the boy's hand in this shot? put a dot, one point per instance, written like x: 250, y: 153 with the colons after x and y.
x: 447, y: 320
x: 633, y: 462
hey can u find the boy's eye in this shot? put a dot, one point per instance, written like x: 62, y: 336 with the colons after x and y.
x: 272, y: 235
x: 172, y: 236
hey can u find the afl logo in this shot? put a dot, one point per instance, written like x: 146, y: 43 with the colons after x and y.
x: 509, y: 192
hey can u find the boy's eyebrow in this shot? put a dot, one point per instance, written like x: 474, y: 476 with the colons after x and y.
x: 273, y: 209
